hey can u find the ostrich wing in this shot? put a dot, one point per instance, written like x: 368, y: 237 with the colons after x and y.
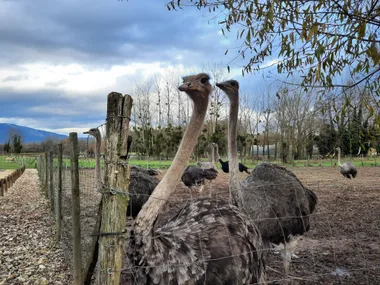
x: 278, y: 202
x: 207, y: 242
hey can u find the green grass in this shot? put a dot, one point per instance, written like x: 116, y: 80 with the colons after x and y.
x: 8, y: 165
x: 164, y: 164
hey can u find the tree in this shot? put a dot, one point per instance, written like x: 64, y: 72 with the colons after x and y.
x: 322, y: 37
x: 17, y: 145
x: 7, y: 146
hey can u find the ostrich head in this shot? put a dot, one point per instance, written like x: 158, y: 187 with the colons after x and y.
x: 196, y: 86
x: 230, y: 87
x: 91, y: 132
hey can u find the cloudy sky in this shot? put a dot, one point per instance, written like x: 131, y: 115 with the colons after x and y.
x: 60, y: 59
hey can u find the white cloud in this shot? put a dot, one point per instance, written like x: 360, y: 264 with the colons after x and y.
x: 75, y: 78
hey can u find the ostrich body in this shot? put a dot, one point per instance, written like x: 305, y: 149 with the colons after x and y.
x: 147, y: 171
x: 206, y: 165
x: 196, y: 176
x: 347, y: 169
x: 203, y: 243
x: 272, y: 195
x: 141, y: 186
x: 141, y: 183
x: 225, y: 164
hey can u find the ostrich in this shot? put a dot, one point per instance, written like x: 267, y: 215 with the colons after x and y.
x: 98, y: 140
x: 347, y: 169
x: 272, y: 195
x: 206, y: 165
x: 206, y: 242
x: 196, y: 176
x: 147, y: 171
x: 225, y: 164
x: 209, y: 164
x: 141, y: 183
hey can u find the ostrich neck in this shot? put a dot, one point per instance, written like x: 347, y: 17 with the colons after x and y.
x: 234, y: 184
x: 339, y: 157
x: 150, y: 211
x: 217, y: 152
x: 97, y: 159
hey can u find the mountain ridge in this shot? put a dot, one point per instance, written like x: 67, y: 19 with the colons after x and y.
x: 28, y: 135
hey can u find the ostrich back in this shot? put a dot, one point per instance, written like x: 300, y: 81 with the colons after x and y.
x: 141, y: 187
x: 206, y: 242
x: 277, y: 201
x: 242, y: 168
x: 194, y: 175
x: 225, y: 166
x: 347, y: 169
x: 206, y: 165
x: 148, y: 171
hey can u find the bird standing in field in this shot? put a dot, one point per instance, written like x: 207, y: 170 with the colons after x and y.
x: 347, y: 169
x: 206, y: 242
x: 272, y: 195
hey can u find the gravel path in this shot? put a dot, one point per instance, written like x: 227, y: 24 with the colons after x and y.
x: 28, y: 254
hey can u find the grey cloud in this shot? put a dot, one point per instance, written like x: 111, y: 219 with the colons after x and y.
x: 18, y: 77
x: 104, y: 32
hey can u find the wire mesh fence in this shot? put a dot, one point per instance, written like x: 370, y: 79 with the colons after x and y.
x: 342, y: 244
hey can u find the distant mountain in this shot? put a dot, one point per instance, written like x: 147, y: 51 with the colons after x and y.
x: 29, y: 135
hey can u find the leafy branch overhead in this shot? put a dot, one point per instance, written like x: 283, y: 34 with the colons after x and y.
x: 318, y: 38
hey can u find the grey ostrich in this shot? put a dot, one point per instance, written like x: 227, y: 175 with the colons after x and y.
x: 206, y: 242
x: 141, y: 183
x: 347, y: 169
x: 209, y: 164
x: 98, y: 140
x: 196, y: 176
x: 147, y: 171
x: 272, y: 195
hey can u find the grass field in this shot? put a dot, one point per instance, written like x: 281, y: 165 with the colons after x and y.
x: 31, y: 162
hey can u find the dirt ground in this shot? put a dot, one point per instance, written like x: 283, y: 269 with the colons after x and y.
x: 28, y: 253
x: 342, y: 246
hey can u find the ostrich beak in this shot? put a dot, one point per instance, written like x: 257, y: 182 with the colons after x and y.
x: 184, y: 87
x: 223, y: 85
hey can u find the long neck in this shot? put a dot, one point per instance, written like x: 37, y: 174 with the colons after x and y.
x: 339, y: 156
x: 148, y: 214
x: 234, y: 184
x: 217, y: 152
x: 98, y: 139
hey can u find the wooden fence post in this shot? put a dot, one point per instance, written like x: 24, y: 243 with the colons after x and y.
x: 58, y: 211
x: 114, y: 205
x: 51, y: 186
x: 46, y: 177
x: 1, y: 187
x: 75, y: 195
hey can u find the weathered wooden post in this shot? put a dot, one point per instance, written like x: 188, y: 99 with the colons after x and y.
x: 114, y: 199
x: 46, y: 173
x: 51, y: 186
x: 58, y: 208
x: 1, y: 188
x: 76, y: 233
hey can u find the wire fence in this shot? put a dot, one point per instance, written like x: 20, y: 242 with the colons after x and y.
x: 342, y: 246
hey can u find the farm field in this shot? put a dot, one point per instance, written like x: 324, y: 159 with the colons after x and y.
x: 343, y: 245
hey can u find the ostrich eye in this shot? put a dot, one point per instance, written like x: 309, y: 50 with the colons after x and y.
x: 204, y: 80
